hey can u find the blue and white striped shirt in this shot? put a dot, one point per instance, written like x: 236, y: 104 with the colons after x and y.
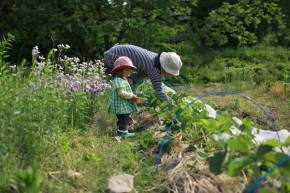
x: 147, y: 64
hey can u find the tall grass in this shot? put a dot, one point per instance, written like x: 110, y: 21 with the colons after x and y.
x: 260, y: 53
x: 34, y: 109
x: 258, y: 64
x: 55, y: 133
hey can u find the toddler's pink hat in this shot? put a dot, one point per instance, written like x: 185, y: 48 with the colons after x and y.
x: 122, y: 63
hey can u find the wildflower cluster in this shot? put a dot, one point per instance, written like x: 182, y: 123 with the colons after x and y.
x: 70, y: 72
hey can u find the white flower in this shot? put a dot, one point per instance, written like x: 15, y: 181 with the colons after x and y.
x: 35, y: 51
x: 67, y: 47
x: 41, y: 58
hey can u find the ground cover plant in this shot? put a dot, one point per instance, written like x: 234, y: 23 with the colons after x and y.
x: 49, y: 141
x: 225, y: 151
x: 56, y: 135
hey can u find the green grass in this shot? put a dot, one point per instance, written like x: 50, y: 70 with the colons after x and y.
x: 54, y: 140
x: 273, y: 99
x: 96, y: 159
x: 36, y: 128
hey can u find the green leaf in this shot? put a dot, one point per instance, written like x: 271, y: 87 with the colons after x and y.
x: 165, y: 104
x: 273, y: 142
x: 274, y: 157
x: 237, y: 165
x: 287, y: 142
x: 221, y: 139
x: 240, y: 144
x: 287, y: 186
x: 202, y: 155
x: 267, y: 190
x: 167, y: 144
x: 262, y: 150
x: 224, y: 121
x: 165, y: 115
x: 202, y: 115
x: 209, y: 124
x: 216, y: 162
x: 246, y: 125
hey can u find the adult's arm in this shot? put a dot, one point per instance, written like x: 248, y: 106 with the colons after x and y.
x: 155, y: 78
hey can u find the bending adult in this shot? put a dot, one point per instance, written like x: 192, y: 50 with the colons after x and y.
x: 149, y: 65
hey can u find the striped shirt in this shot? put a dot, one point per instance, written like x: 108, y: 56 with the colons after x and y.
x: 118, y: 104
x: 147, y: 64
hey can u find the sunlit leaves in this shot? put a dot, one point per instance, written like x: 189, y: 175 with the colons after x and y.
x: 273, y: 142
x: 236, y: 165
x: 287, y: 142
x: 275, y: 157
x: 166, y: 115
x: 225, y: 152
x: 221, y: 139
x: 222, y: 123
x: 242, y: 143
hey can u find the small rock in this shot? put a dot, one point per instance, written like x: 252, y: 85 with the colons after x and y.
x: 121, y: 183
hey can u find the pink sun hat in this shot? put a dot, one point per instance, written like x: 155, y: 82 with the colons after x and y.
x: 122, y: 63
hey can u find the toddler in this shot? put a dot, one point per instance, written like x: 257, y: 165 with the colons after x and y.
x: 122, y: 101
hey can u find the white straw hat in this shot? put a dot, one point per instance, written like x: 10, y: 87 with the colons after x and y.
x: 170, y: 62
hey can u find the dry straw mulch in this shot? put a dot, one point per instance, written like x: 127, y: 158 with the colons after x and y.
x: 188, y: 174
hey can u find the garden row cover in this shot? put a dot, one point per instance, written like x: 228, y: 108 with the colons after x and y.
x: 260, y: 134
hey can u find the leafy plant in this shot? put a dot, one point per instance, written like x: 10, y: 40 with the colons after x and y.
x: 146, y: 139
x: 38, y: 107
x: 5, y: 45
x: 225, y: 151
x: 28, y: 181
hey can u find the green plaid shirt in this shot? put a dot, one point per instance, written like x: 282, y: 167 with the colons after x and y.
x: 119, y: 105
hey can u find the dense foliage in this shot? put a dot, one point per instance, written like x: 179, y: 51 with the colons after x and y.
x: 91, y: 27
x: 243, y: 23
x: 56, y: 104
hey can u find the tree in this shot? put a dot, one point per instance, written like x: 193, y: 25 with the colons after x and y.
x: 90, y: 27
x: 244, y: 23
x: 284, y: 35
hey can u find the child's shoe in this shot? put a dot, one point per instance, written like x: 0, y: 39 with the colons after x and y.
x: 124, y: 134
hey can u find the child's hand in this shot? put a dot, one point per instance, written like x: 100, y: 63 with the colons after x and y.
x: 134, y: 98
x: 140, y: 100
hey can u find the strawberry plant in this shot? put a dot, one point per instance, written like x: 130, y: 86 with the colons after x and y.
x: 224, y: 151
